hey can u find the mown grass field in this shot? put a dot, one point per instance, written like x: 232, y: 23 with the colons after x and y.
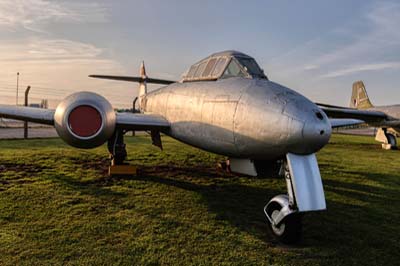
x: 58, y: 207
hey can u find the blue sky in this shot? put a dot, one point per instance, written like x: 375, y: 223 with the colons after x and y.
x: 315, y: 47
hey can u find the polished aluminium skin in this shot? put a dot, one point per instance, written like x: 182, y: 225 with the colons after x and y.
x: 225, y: 105
x: 241, y: 118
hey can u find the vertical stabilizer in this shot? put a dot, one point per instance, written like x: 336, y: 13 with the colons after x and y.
x: 359, y: 96
x: 142, y: 85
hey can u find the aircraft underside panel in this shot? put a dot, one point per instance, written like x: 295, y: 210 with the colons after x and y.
x: 306, y: 181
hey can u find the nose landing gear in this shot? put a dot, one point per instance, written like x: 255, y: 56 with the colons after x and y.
x: 305, y: 193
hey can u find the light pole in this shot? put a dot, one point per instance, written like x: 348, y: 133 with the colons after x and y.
x: 17, y: 88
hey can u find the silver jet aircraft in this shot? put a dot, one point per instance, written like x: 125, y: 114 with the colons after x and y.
x: 224, y: 104
x: 385, y: 118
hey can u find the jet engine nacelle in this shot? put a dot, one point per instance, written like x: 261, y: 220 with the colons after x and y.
x: 85, y: 120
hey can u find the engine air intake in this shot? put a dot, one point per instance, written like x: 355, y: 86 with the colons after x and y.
x: 84, y: 121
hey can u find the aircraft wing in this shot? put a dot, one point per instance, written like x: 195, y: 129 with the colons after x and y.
x: 367, y: 116
x: 340, y: 122
x: 132, y: 121
x: 127, y: 121
x: 31, y: 114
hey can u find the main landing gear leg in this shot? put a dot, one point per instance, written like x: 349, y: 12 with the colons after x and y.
x: 387, y: 138
x: 305, y: 193
x: 117, y: 149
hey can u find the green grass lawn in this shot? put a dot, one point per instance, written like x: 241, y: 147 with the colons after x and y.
x: 58, y: 207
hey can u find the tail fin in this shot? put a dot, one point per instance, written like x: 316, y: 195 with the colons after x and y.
x: 142, y: 85
x: 359, y: 96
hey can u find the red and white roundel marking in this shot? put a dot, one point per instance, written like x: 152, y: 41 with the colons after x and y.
x: 84, y: 121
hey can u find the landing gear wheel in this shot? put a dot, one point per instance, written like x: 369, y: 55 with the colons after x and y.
x: 392, y: 141
x: 289, y: 230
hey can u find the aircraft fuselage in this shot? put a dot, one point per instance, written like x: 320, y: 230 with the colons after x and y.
x: 241, y: 117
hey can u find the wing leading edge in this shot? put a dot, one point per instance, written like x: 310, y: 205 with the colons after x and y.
x: 371, y: 117
x: 131, y: 121
x: 125, y: 121
x: 340, y: 122
x: 349, y: 113
x: 31, y: 114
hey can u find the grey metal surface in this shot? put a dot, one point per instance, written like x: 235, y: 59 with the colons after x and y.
x: 306, y: 182
x: 242, y: 166
x: 373, y: 116
x: 133, y: 121
x: 94, y: 100
x: 340, y: 122
x: 241, y: 117
x: 38, y: 115
x: 283, y: 201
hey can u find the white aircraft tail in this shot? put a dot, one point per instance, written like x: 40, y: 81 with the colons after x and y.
x: 142, y: 85
x: 143, y: 79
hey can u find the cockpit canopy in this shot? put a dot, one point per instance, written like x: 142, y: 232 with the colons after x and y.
x: 224, y: 65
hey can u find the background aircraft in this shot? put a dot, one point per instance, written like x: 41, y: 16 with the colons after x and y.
x: 224, y: 104
x: 386, y: 118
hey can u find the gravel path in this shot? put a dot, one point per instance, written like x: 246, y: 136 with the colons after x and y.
x: 18, y: 133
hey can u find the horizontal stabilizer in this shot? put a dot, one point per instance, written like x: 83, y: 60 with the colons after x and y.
x: 134, y: 79
x: 331, y: 106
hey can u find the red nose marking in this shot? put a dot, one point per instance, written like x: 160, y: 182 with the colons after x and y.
x: 84, y: 121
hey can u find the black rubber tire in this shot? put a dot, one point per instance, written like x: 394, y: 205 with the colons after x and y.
x: 292, y: 227
x: 392, y: 141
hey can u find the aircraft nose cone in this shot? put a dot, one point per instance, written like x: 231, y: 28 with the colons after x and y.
x: 315, y: 134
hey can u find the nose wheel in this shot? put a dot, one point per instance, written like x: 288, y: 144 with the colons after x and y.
x: 285, y: 224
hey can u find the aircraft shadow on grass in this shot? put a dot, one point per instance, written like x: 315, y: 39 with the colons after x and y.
x: 242, y: 205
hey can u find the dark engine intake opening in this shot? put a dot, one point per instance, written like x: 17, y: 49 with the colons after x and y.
x: 84, y: 121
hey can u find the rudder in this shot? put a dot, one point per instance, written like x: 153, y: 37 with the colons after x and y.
x: 359, y: 96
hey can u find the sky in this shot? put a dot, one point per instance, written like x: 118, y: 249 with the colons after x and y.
x: 316, y: 47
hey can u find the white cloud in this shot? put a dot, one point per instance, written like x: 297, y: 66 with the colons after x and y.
x: 34, y: 15
x: 54, y: 66
x: 365, y: 47
x: 61, y: 67
x: 310, y: 67
x: 41, y: 49
x: 382, y: 37
x: 361, y: 68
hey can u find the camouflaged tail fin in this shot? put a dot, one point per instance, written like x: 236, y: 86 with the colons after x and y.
x: 359, y: 96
